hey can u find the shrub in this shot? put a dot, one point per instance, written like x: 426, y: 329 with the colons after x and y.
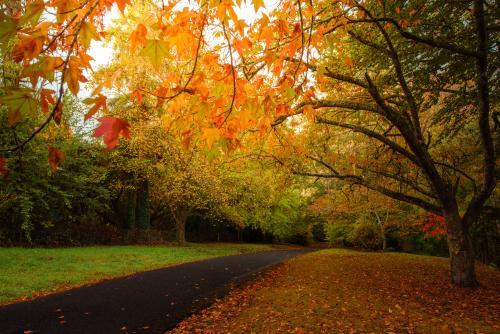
x: 366, y: 234
x: 338, y: 234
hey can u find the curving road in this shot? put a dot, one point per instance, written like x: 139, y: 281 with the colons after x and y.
x: 148, y: 302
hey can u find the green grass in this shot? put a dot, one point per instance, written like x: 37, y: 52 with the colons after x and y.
x: 29, y: 272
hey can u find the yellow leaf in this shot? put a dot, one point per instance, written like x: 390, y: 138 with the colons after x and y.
x: 87, y: 34
x: 98, y: 102
x: 257, y: 4
x: 155, y: 50
x: 33, y: 12
x: 211, y: 135
x: 19, y: 101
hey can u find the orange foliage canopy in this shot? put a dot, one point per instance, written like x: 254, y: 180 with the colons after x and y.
x: 243, y: 75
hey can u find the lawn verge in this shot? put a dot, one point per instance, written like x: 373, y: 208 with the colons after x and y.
x: 27, y: 273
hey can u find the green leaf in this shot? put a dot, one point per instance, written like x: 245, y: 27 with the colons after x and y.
x: 20, y: 102
x: 87, y: 34
x: 33, y: 12
x: 155, y: 50
x: 7, y: 29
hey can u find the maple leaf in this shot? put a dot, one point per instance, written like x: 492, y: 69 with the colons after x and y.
x: 19, y: 101
x: 27, y: 48
x: 257, y: 4
x: 267, y: 34
x: 138, y: 37
x: 33, y: 12
x: 56, y: 156
x: 99, y: 102
x: 111, y: 128
x: 46, y: 98
x: 74, y: 75
x: 7, y: 29
x: 87, y: 34
x: 211, y: 135
x: 242, y: 44
x: 4, y: 170
x: 122, y: 4
x: 282, y: 109
x: 155, y: 50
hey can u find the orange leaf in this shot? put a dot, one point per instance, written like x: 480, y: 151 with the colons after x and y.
x: 186, y: 138
x: 138, y: 37
x: 122, y: 4
x: 309, y: 111
x: 27, y: 48
x: 282, y: 109
x: 56, y: 156
x: 242, y: 44
x: 137, y: 95
x: 267, y: 35
x: 99, y: 102
x: 73, y: 75
x: 211, y: 135
x: 348, y: 61
x: 46, y: 98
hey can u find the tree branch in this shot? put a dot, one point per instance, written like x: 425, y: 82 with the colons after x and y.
x: 375, y: 135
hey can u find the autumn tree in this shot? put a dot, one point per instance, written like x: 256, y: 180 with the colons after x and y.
x: 416, y: 79
x: 346, y: 201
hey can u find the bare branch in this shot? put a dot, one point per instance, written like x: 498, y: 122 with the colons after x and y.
x: 375, y: 135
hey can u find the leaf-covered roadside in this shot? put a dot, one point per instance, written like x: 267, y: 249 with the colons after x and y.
x: 355, y: 292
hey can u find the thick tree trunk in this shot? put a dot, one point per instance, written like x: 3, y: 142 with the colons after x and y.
x: 180, y: 217
x: 463, y: 272
x: 181, y: 232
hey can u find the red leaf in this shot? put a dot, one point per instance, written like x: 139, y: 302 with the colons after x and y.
x: 111, y: 128
x: 46, y: 98
x: 56, y: 156
x: 4, y: 170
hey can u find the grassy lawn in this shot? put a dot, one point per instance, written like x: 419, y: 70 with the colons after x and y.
x: 29, y: 272
x: 341, y: 291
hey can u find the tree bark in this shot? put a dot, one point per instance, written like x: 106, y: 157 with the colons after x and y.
x: 180, y: 217
x: 462, y: 262
x: 382, y: 230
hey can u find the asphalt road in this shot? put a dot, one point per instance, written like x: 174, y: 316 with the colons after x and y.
x: 148, y: 302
